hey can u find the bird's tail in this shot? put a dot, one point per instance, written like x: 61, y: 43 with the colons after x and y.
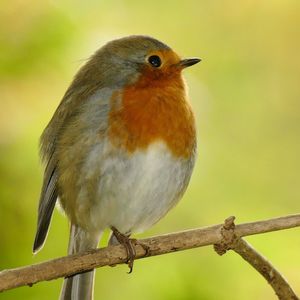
x: 80, y: 286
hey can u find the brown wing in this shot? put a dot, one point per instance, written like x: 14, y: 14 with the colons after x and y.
x: 86, y: 82
x: 49, y: 192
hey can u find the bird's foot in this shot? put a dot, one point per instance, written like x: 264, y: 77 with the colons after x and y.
x: 129, y: 245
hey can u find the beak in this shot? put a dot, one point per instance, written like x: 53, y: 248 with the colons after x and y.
x: 184, y: 63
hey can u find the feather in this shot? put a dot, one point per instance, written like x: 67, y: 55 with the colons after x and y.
x: 47, y: 202
x: 80, y: 286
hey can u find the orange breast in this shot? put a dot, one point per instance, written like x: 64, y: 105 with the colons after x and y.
x: 151, y: 110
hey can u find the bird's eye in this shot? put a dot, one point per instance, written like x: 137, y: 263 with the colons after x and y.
x: 155, y: 61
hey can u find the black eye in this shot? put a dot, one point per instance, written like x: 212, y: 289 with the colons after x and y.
x: 155, y: 61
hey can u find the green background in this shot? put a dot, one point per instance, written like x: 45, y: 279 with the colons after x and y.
x: 245, y: 94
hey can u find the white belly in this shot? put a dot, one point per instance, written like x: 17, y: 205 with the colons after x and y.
x: 136, y: 190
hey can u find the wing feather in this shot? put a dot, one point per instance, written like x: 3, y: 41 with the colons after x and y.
x: 47, y: 202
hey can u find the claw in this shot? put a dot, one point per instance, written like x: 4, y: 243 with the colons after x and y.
x: 129, y: 246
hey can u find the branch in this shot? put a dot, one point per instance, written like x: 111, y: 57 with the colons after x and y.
x: 112, y: 255
x: 231, y: 242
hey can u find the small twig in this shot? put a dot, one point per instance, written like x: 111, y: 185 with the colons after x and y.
x: 231, y: 241
x: 69, y: 265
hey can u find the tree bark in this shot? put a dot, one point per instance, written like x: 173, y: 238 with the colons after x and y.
x: 112, y: 255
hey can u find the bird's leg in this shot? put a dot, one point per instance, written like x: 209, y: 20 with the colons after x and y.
x: 119, y: 238
x: 127, y: 242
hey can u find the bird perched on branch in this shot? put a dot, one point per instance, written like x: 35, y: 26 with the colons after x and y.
x: 119, y: 150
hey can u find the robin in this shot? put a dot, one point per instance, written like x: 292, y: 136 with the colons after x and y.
x: 119, y: 150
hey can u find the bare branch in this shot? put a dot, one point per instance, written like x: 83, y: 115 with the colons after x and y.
x: 69, y: 265
x: 231, y: 242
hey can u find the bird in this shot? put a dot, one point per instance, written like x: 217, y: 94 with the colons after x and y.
x: 120, y: 149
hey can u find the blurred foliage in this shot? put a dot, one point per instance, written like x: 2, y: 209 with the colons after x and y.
x: 246, y: 97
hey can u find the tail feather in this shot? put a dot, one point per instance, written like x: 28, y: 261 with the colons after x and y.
x: 80, y: 286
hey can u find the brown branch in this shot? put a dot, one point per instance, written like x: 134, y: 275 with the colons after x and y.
x: 231, y: 241
x: 69, y: 265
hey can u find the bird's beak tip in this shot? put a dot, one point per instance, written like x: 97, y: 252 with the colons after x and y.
x: 187, y: 62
